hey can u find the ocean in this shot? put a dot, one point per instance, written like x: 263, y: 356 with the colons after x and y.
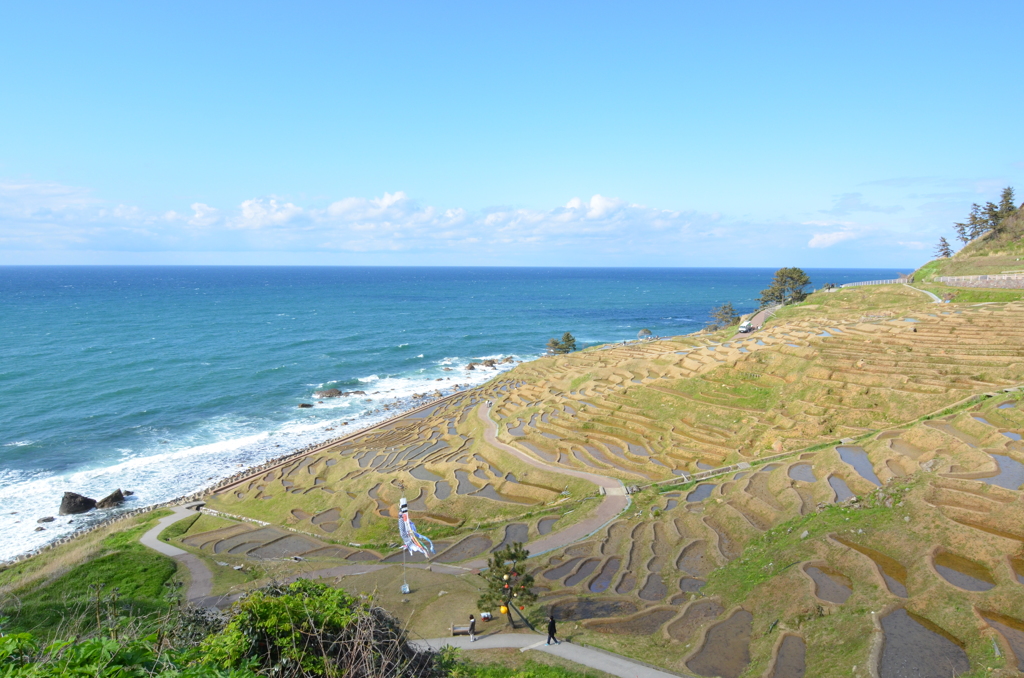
x: 162, y: 380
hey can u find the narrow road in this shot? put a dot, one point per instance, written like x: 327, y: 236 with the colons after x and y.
x: 614, y: 664
x: 201, y: 584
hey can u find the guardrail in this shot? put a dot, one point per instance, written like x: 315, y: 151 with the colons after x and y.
x: 973, y: 278
x: 877, y: 282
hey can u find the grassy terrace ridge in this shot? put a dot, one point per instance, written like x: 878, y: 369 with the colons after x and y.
x: 878, y: 465
x: 991, y: 254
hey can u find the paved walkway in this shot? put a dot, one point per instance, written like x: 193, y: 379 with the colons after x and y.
x: 201, y: 584
x: 614, y: 664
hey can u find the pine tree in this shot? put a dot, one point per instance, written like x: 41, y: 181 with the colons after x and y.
x: 723, y: 316
x: 1007, y: 206
x: 507, y: 584
x: 943, y: 249
x: 787, y: 287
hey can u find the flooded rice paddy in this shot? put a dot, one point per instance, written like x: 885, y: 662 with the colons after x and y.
x: 726, y: 649
x: 804, y: 472
x: 840, y: 487
x: 963, y: 573
x: 858, y: 459
x: 915, y: 648
x: 790, y: 662
x: 892, y: 571
x: 828, y: 584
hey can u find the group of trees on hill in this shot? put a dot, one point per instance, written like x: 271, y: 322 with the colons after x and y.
x: 787, y: 288
x: 982, y: 219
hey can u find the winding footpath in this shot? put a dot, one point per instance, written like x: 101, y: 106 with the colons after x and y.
x: 615, y: 502
x: 616, y: 665
x: 615, y: 498
x: 200, y: 578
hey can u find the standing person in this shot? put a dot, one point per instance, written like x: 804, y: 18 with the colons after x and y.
x: 472, y: 629
x: 552, y: 630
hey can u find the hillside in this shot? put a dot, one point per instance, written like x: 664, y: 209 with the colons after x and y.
x: 999, y: 251
x: 837, y: 494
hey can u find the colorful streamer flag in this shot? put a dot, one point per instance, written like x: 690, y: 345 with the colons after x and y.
x: 411, y: 539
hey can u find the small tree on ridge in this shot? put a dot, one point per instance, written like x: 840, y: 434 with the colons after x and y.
x: 567, y: 344
x: 943, y: 249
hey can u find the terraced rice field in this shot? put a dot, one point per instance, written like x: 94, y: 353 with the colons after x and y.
x: 835, y: 401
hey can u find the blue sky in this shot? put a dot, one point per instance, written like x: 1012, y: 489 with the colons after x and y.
x: 619, y: 134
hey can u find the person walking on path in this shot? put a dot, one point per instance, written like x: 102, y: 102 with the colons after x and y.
x: 472, y: 629
x: 552, y: 630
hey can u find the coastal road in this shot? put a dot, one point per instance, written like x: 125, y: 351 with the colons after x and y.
x: 614, y: 664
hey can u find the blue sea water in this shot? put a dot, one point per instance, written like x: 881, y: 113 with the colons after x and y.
x: 162, y: 380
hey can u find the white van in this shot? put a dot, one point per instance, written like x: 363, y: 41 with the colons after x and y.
x: 746, y: 327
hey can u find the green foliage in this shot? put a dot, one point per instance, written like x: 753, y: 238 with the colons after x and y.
x: 943, y: 250
x: 310, y: 629
x: 723, y: 316
x: 21, y: 656
x: 507, y: 583
x: 530, y: 669
x: 280, y: 626
x: 567, y: 344
x: 787, y: 287
x: 129, y: 580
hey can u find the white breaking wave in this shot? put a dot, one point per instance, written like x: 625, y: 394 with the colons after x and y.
x: 165, y: 469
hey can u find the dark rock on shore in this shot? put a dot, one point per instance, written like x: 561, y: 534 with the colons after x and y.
x: 47, y: 519
x: 128, y: 493
x: 305, y: 405
x: 113, y: 499
x: 327, y: 393
x: 75, y: 503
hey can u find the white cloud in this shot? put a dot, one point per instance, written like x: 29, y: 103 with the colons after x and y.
x: 848, y: 203
x: 597, y: 231
x: 822, y: 240
x: 913, y: 244
x: 263, y: 212
x: 203, y: 215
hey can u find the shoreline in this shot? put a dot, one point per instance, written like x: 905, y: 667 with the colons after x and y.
x: 233, y: 479
x: 275, y: 462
